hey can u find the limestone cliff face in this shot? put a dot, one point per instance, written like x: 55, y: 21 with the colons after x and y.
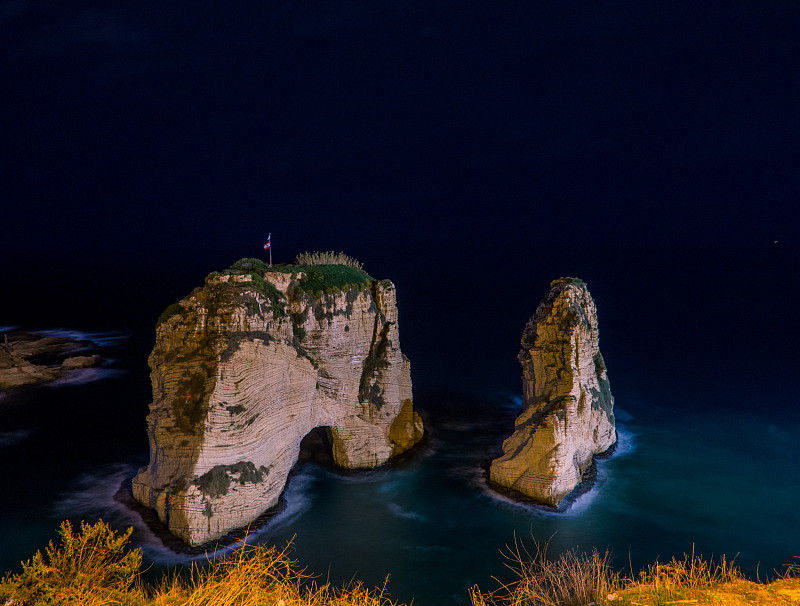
x: 567, y: 414
x: 243, y: 369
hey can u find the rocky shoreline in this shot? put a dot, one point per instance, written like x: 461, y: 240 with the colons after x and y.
x: 32, y: 358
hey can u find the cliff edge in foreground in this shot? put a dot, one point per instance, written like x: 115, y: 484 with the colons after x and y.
x: 567, y: 414
x: 246, y: 366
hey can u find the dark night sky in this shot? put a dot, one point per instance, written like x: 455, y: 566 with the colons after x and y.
x: 452, y: 146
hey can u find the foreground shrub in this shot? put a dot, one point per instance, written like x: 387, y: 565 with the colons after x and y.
x: 256, y: 575
x: 95, y: 567
x: 91, y: 565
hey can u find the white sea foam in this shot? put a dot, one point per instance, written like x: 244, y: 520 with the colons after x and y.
x: 401, y: 512
x: 459, y: 425
x: 514, y: 402
x: 81, y: 376
x: 392, y: 485
x: 298, y: 499
x: 93, y: 493
x: 107, y: 338
x: 362, y: 476
x: 503, y: 398
x: 626, y: 444
x: 9, y: 438
x: 622, y: 415
x: 93, y: 497
x: 470, y: 474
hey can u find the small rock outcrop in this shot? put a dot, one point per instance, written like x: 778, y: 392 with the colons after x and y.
x: 567, y: 414
x: 29, y: 358
x: 246, y: 366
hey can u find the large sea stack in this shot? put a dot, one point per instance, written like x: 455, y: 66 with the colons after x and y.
x: 567, y: 414
x: 246, y: 366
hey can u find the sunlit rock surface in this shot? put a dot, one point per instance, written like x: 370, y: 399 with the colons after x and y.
x: 243, y: 369
x: 567, y: 415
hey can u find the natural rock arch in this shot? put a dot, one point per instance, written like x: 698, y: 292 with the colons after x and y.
x: 239, y: 379
x: 317, y: 447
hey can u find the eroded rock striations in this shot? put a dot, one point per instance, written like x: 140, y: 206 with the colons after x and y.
x: 246, y: 366
x: 567, y: 414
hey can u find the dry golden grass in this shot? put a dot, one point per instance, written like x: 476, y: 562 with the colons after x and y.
x: 256, y: 575
x: 694, y: 580
x: 95, y: 568
x: 575, y: 579
x: 327, y: 257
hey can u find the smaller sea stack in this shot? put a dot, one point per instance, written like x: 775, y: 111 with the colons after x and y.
x: 567, y: 414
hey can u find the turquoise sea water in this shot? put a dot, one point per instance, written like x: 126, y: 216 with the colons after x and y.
x: 715, y: 481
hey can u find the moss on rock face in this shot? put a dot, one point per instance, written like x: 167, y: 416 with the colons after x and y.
x: 567, y: 280
x: 173, y: 309
x: 189, y: 404
x: 234, y: 339
x: 217, y: 480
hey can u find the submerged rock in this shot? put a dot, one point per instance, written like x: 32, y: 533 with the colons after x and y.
x: 567, y: 414
x: 246, y: 366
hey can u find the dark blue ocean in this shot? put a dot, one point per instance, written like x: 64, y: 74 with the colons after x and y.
x: 708, y: 439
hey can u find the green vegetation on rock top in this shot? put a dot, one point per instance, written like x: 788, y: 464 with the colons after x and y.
x: 567, y: 280
x: 323, y: 273
x: 256, y: 268
x: 333, y: 278
x: 173, y: 309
